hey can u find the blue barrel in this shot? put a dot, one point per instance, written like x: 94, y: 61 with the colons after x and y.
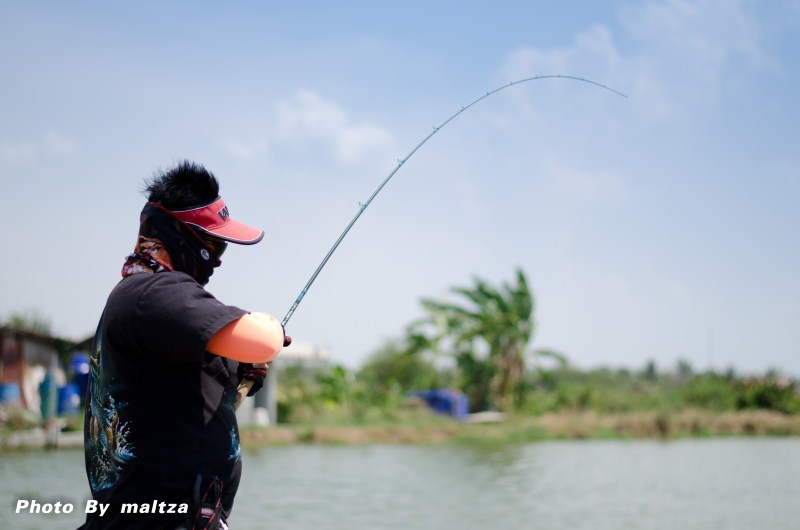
x: 9, y: 393
x: 80, y: 373
x: 69, y: 400
x: 448, y: 402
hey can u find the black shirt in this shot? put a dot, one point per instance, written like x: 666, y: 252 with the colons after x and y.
x: 159, y: 408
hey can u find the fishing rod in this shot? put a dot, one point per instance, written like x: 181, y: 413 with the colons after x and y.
x: 246, y: 385
x: 363, y: 205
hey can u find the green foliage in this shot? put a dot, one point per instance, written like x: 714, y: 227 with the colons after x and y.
x: 335, y: 395
x: 601, y: 390
x: 767, y: 393
x: 400, y: 367
x: 333, y: 387
x: 612, y: 391
x: 479, y: 344
x: 487, y: 332
x: 30, y: 320
x: 709, y: 392
x: 296, y: 399
x: 378, y: 392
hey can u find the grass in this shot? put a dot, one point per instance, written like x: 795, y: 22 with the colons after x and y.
x: 423, y: 427
x: 432, y: 429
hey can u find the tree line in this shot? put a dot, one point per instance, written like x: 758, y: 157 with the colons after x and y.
x: 479, y: 342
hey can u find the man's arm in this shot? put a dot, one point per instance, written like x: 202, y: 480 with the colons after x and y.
x: 253, y: 338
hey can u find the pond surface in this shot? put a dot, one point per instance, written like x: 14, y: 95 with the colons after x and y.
x: 737, y: 483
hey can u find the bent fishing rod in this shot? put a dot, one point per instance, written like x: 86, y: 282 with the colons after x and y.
x: 400, y: 162
x: 363, y: 206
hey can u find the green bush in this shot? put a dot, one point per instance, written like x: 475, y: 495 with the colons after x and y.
x: 378, y: 392
x: 708, y: 392
x: 770, y: 394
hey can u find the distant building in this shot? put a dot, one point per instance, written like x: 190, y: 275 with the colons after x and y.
x: 27, y: 359
x: 305, y: 353
x: 262, y: 408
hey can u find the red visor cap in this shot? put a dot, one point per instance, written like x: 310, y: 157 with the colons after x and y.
x: 214, y: 219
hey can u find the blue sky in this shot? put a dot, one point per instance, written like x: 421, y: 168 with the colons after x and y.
x: 660, y: 226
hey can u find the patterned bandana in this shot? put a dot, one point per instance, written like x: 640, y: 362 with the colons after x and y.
x: 166, y: 244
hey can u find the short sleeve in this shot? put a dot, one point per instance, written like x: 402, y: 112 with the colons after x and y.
x: 175, y: 317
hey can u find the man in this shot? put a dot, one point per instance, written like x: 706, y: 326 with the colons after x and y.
x: 161, y: 438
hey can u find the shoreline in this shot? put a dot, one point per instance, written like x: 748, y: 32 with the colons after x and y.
x: 433, y: 429
x: 522, y: 429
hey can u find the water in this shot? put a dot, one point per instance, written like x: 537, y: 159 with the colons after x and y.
x: 598, y: 485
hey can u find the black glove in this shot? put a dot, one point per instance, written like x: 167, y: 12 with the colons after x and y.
x: 246, y: 371
x: 250, y: 373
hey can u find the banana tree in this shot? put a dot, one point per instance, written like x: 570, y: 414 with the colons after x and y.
x: 487, y: 331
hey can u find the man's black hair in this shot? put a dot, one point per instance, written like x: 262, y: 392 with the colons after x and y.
x: 184, y: 186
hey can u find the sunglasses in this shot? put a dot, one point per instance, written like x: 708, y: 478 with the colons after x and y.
x: 217, y: 246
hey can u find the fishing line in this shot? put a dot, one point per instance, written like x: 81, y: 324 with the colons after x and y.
x: 363, y: 205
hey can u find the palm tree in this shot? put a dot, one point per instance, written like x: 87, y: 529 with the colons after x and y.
x: 488, y: 335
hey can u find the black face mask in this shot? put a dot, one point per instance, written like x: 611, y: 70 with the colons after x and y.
x: 165, y: 243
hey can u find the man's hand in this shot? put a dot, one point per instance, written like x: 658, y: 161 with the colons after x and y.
x: 253, y: 372
x: 252, y: 375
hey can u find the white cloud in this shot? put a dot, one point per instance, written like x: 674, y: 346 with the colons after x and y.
x: 701, y: 38
x: 687, y: 51
x: 307, y: 113
x: 593, y: 48
x: 355, y: 140
x: 307, y: 116
x: 683, y: 52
